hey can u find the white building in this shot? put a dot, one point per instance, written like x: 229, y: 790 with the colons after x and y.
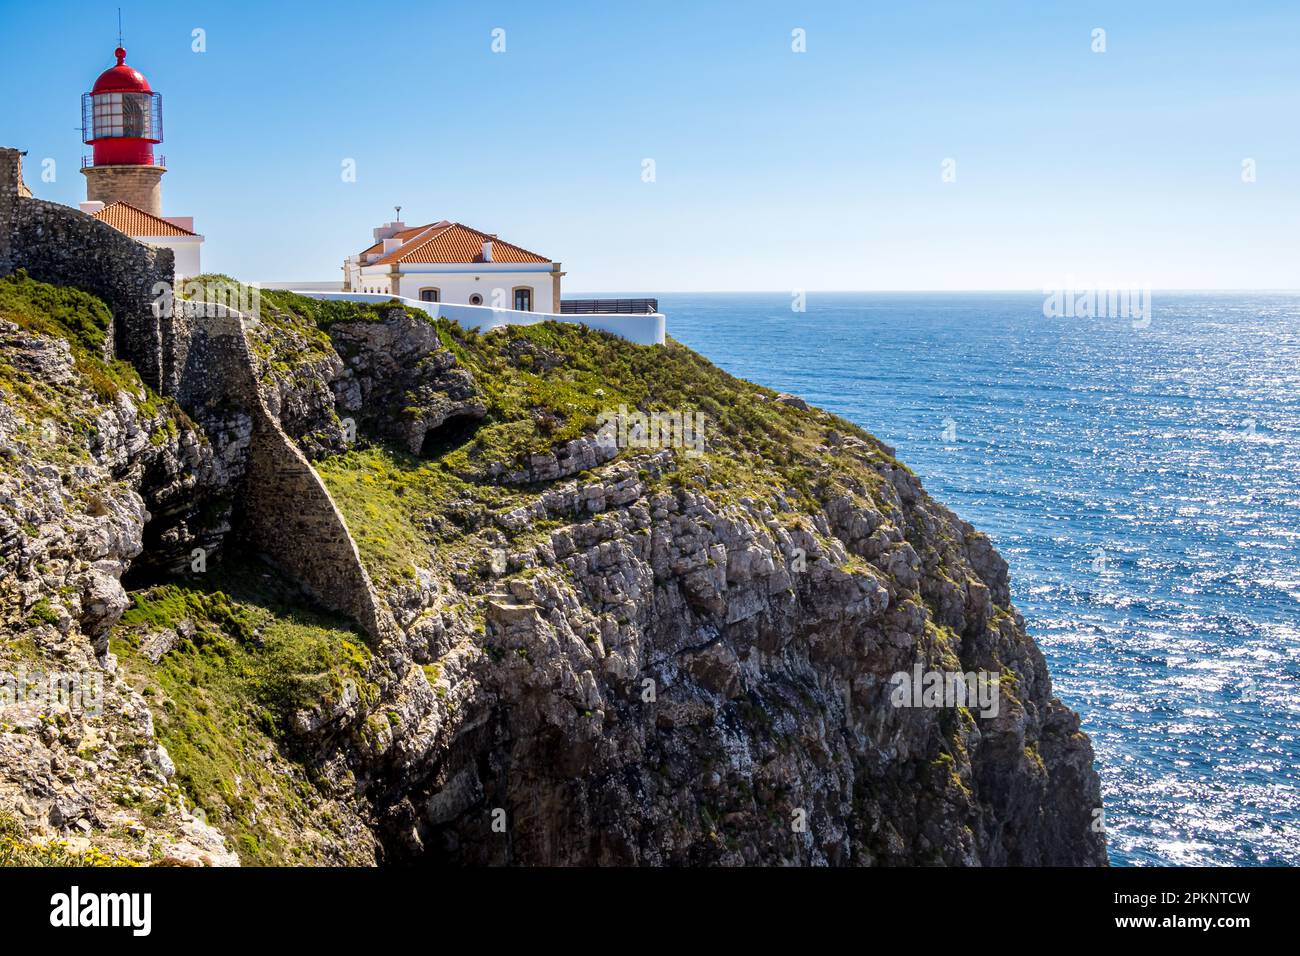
x: 450, y: 262
x: 173, y: 232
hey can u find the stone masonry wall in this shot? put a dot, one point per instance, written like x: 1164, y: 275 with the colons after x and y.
x: 58, y: 244
x: 12, y: 189
x: 288, y: 513
x: 198, y: 354
x: 141, y: 186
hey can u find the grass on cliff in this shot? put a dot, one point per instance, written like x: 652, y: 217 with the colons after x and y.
x: 285, y: 340
x: 77, y: 317
x: 83, y: 321
x: 224, y: 697
x: 406, y: 512
x: 387, y: 498
x: 549, y: 383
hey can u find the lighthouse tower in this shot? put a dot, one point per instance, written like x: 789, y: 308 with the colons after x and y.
x: 121, y: 118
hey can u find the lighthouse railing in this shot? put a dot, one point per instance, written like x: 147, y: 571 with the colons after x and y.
x: 88, y: 162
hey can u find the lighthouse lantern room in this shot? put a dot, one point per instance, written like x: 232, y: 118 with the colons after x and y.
x: 121, y: 119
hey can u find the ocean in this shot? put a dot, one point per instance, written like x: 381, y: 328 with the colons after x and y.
x: 1143, y: 484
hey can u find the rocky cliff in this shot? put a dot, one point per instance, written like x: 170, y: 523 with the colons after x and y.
x: 615, y: 639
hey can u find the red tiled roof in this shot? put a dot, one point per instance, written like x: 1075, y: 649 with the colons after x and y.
x: 449, y: 242
x: 404, y: 236
x: 136, y: 222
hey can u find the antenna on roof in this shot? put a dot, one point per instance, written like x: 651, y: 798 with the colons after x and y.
x: 119, y: 26
x: 399, y: 212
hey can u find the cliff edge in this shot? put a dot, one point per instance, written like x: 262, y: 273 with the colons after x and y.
x: 642, y: 612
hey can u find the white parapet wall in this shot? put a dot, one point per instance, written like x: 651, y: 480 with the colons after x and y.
x: 642, y: 329
x: 303, y: 287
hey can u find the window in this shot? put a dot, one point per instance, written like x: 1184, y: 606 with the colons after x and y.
x: 429, y: 295
x: 122, y: 114
x: 476, y: 299
x: 523, y: 299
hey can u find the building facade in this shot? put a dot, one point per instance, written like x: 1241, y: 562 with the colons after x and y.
x: 453, y: 263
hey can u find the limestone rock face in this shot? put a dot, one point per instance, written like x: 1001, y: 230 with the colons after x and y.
x: 671, y: 681
x: 392, y: 378
x: 77, y: 747
x: 626, y: 660
x: 401, y: 380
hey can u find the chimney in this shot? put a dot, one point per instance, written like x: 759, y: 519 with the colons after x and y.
x: 388, y: 230
x: 91, y: 206
x: 487, y: 250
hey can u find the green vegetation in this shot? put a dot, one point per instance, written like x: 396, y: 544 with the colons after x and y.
x: 383, y: 494
x: 17, y: 850
x: 43, y: 612
x: 285, y: 335
x: 407, y: 512
x: 69, y: 313
x: 83, y: 322
x: 224, y: 696
x: 547, y: 384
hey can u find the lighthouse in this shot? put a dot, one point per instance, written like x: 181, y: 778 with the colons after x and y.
x: 121, y: 120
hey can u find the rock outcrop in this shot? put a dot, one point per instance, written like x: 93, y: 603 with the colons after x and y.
x: 668, y: 655
x: 80, y: 766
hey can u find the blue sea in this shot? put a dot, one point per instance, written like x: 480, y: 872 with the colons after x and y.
x: 1143, y: 483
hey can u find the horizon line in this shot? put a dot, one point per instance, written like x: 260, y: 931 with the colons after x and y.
x: 1291, y: 290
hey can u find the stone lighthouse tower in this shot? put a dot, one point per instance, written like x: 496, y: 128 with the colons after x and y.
x: 121, y: 118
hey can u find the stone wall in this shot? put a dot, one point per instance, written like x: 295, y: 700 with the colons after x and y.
x: 140, y: 186
x: 198, y: 354
x: 288, y: 514
x: 62, y: 245
x: 12, y: 189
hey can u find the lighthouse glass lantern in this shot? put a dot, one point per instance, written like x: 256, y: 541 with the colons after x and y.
x: 121, y: 117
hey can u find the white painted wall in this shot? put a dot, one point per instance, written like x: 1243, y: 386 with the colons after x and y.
x: 457, y: 283
x: 639, y: 329
x: 186, y: 248
x: 303, y: 286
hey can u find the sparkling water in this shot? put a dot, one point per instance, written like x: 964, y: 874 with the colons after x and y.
x: 1143, y: 481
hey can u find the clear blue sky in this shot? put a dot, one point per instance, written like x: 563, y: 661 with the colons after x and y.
x: 775, y: 170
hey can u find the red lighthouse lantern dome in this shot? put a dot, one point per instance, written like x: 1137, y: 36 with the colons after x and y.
x: 121, y: 78
x: 121, y: 117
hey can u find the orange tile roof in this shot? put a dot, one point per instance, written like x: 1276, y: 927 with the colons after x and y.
x: 136, y: 222
x: 404, y: 236
x: 449, y: 242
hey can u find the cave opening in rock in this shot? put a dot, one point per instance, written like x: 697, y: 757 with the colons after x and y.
x: 182, y: 537
x: 450, y: 435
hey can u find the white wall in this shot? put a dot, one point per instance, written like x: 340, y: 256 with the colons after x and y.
x: 639, y: 329
x: 456, y: 283
x: 304, y: 286
x: 186, y: 249
x: 378, y: 279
